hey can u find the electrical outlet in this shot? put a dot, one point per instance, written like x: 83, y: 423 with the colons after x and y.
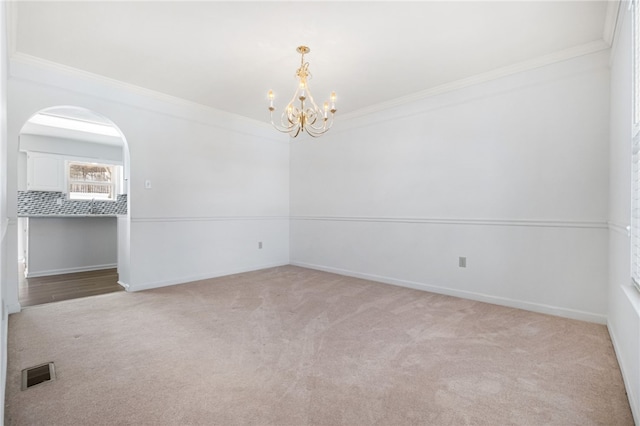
x: 259, y: 244
x: 462, y: 262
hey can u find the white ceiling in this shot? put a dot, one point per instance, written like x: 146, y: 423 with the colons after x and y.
x: 227, y: 55
x: 60, y: 130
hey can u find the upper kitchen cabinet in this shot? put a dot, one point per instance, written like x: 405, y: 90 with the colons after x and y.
x: 45, y: 172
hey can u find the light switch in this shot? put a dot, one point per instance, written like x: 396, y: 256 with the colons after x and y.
x: 147, y: 184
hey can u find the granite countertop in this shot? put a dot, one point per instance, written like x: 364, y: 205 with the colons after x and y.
x: 40, y: 216
x: 43, y: 204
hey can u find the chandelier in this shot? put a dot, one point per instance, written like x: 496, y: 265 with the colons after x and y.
x: 302, y: 113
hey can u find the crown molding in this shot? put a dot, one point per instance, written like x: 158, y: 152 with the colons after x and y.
x: 562, y: 55
x: 185, y: 109
x: 611, y: 22
x: 234, y: 121
x: 619, y: 20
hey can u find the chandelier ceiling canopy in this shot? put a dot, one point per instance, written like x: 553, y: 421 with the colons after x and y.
x: 302, y: 113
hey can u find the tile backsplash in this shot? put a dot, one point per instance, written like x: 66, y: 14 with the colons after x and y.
x: 42, y: 203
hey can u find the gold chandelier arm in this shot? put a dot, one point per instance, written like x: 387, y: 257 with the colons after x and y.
x: 319, y: 131
x: 289, y: 122
x: 284, y: 128
x: 293, y: 129
x: 308, y: 117
x: 318, y: 114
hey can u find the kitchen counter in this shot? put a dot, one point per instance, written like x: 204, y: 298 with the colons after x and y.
x: 61, y: 244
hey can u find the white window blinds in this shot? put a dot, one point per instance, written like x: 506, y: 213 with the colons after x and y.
x: 87, y: 181
x: 635, y: 199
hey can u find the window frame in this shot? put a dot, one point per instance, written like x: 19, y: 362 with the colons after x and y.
x: 114, y: 183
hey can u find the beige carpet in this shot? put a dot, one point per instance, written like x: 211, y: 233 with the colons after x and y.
x: 291, y: 346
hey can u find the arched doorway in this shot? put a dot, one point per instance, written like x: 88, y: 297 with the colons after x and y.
x: 73, y: 206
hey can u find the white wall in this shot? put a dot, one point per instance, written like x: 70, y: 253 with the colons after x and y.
x: 219, y: 182
x: 67, y: 245
x: 511, y: 174
x: 71, y: 148
x: 624, y: 301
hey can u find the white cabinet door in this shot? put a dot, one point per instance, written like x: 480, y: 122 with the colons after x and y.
x: 45, y: 172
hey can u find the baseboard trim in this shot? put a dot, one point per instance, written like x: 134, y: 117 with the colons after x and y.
x: 4, y: 345
x: 631, y: 395
x: 123, y: 285
x: 70, y: 270
x: 13, y: 308
x: 199, y: 277
x: 481, y: 297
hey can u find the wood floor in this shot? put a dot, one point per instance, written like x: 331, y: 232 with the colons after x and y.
x: 54, y: 288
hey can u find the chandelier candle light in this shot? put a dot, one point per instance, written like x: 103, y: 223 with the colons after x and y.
x: 307, y: 115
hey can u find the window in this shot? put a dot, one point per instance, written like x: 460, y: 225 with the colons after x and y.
x: 635, y: 200
x: 636, y: 66
x: 88, y: 181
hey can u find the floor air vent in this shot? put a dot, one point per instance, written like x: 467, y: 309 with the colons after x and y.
x: 39, y: 374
